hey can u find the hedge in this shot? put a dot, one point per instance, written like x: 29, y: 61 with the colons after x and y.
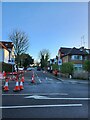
x: 55, y: 66
x: 6, y: 67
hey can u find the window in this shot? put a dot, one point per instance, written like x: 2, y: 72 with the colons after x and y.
x: 76, y: 57
x: 78, y: 67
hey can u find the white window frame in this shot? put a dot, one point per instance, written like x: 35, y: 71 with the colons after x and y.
x: 75, y: 57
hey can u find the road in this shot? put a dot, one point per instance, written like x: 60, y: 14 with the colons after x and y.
x: 46, y: 98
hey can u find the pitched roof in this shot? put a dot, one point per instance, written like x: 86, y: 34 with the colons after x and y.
x: 3, y: 46
x: 74, y: 51
x: 64, y: 50
x: 7, y: 44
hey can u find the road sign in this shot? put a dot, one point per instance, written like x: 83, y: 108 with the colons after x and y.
x: 12, y: 61
x: 59, y: 62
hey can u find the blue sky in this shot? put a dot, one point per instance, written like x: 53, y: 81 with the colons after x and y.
x: 48, y: 25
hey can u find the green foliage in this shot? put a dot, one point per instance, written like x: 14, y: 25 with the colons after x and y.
x: 55, y: 67
x: 42, y: 61
x: 86, y: 65
x: 44, y: 56
x: 26, y: 60
x: 67, y: 68
x: 6, y: 67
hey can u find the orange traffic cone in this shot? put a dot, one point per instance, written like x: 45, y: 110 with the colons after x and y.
x: 23, y: 79
x: 21, y: 85
x: 33, y: 80
x: 6, y: 86
x: 16, y: 87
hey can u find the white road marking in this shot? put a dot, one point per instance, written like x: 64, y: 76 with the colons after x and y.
x: 47, y: 98
x: 39, y: 80
x: 83, y: 82
x: 36, y: 97
x: 50, y: 79
x: 46, y: 78
x: 58, y: 82
x: 40, y: 106
x: 35, y: 94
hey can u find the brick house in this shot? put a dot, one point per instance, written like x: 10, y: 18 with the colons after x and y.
x: 75, y: 55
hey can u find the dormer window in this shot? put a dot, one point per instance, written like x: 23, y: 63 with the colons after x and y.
x: 87, y: 51
x: 6, y: 44
x: 81, y: 50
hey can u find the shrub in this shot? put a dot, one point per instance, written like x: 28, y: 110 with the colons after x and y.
x: 86, y: 67
x: 55, y: 67
x: 67, y: 68
x: 6, y: 67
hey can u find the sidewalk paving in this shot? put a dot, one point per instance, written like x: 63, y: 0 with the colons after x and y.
x: 70, y: 80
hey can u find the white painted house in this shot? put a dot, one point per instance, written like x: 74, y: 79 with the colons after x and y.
x: 6, y: 51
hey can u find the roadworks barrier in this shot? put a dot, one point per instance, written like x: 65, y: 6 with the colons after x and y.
x: 18, y: 85
x: 4, y: 74
x: 33, y: 79
x: 23, y: 79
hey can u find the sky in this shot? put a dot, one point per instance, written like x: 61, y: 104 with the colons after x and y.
x: 49, y: 25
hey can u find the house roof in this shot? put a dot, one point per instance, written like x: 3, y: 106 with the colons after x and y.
x: 64, y: 50
x: 74, y: 51
x: 3, y: 46
x: 7, y: 44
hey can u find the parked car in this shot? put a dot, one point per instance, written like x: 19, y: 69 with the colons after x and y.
x: 38, y: 68
x: 21, y: 68
x: 29, y: 68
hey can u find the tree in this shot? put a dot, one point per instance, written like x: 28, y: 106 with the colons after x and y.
x: 21, y: 43
x: 44, y: 57
x: 87, y: 66
x: 67, y: 68
x: 25, y: 60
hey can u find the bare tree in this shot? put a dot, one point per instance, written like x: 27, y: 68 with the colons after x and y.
x: 20, y: 41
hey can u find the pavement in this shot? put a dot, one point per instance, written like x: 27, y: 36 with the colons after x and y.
x: 48, y: 97
x: 70, y: 79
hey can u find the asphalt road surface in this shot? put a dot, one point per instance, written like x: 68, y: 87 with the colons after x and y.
x: 46, y: 98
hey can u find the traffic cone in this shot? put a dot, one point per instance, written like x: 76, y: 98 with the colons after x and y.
x: 16, y: 87
x: 23, y: 79
x: 6, y: 86
x: 33, y: 80
x: 21, y: 85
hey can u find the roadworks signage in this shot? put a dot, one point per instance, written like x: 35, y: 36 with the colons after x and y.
x: 12, y: 61
x: 59, y: 62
